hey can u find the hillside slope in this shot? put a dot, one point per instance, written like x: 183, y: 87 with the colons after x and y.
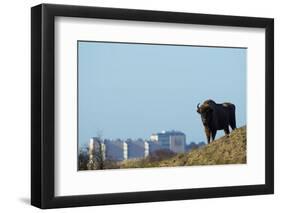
x: 225, y: 150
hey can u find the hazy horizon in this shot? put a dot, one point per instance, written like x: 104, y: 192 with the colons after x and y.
x: 134, y: 90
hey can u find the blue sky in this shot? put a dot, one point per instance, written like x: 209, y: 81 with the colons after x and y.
x: 133, y: 90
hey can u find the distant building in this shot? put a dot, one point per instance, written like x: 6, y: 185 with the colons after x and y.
x: 153, y: 146
x: 96, y: 153
x: 172, y: 140
x: 154, y: 137
x: 119, y: 150
x: 137, y: 149
x: 116, y: 150
x: 96, y: 146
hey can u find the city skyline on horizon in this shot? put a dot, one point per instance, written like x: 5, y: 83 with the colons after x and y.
x: 134, y: 90
x: 147, y: 138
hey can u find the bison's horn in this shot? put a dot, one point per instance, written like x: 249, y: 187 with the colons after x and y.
x: 198, y: 106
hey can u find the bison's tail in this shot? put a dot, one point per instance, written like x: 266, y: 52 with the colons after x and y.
x: 233, y: 117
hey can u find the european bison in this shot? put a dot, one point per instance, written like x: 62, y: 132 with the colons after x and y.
x: 217, y: 117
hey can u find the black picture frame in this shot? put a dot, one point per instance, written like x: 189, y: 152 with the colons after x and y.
x: 43, y: 102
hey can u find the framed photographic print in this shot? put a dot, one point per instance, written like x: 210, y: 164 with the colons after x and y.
x: 140, y: 106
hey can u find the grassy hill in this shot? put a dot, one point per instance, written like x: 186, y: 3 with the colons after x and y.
x: 224, y: 150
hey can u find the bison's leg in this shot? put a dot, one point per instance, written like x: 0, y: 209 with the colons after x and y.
x: 226, y: 130
x: 233, y: 119
x: 233, y: 124
x: 214, y: 132
x: 208, y: 134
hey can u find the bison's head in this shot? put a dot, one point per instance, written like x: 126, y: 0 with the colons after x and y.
x: 205, y: 111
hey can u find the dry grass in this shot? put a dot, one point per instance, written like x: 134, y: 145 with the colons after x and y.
x: 225, y: 150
